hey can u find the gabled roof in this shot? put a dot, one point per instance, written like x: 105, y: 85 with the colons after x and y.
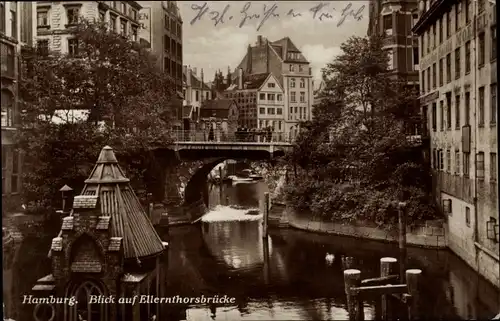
x: 285, y: 46
x: 255, y: 81
x: 118, y: 201
x: 195, y: 82
x: 267, y: 79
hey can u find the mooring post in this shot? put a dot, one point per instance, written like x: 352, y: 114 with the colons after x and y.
x: 413, y: 284
x: 347, y: 262
x: 402, y: 239
x: 352, y: 279
x: 387, y: 267
x: 266, y: 215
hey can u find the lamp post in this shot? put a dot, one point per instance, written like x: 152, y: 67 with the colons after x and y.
x: 65, y: 193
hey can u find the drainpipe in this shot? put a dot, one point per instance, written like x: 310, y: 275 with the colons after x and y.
x: 476, y: 227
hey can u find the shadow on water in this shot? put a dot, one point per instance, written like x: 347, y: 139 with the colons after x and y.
x: 290, y: 281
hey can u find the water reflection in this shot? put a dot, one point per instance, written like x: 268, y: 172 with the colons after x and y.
x: 292, y: 280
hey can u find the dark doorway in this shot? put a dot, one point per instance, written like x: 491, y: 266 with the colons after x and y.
x: 187, y: 128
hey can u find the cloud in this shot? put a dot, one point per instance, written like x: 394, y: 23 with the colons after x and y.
x: 319, y: 55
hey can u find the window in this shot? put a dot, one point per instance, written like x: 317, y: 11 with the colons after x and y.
x: 279, y: 111
x: 481, y: 52
x: 280, y: 124
x: 441, y: 115
x: 428, y: 41
x: 468, y: 11
x: 388, y: 24
x: 302, y: 97
x: 466, y: 164
x: 493, y: 43
x: 270, y: 111
x: 448, y: 24
x: 292, y: 83
x: 134, y: 14
x: 457, y: 162
x: 2, y: 17
x: 42, y: 47
x: 422, y: 45
x: 434, y: 159
x: 197, y: 95
x: 271, y: 97
x: 279, y: 97
x: 4, y: 168
x: 423, y: 82
x: 167, y: 22
x: 467, y: 108
x: 261, y: 124
x: 112, y: 22
x: 448, y: 113
x: 493, y: 104
x: 123, y: 7
x: 293, y: 98
x: 134, y: 33
x: 448, y: 161
x: 457, y: 111
x: 292, y: 67
x: 72, y: 14
x: 434, y: 117
x: 457, y: 63
x: 441, y: 30
x: 262, y: 96
x: 207, y: 95
x: 441, y: 72
x: 457, y: 16
x: 480, y: 165
x: 390, y: 64
x: 262, y: 110
x: 416, y: 60
x: 73, y: 47
x: 467, y: 216
x: 123, y: 27
x: 480, y: 5
x: 429, y: 78
x: 302, y: 83
x: 448, y: 68
x: 84, y: 294
x: 434, y: 38
x: 434, y: 71
x: 7, y: 108
x: 481, y: 107
x: 42, y: 18
x: 301, y: 68
x: 467, y: 57
x: 13, y: 19
x: 441, y: 160
x: 493, y: 167
x: 14, y: 178
x: 271, y: 85
x: 166, y: 65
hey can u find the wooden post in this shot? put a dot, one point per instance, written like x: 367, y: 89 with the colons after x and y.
x: 352, y: 279
x: 265, y: 245
x: 266, y: 215
x: 413, y: 283
x: 402, y: 239
x: 387, y: 267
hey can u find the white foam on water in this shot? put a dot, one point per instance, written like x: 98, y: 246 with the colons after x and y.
x: 229, y: 214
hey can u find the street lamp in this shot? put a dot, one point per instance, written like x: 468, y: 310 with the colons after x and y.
x: 65, y: 192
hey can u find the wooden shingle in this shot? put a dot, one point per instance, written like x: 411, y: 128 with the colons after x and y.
x: 67, y: 223
x: 56, y: 244
x: 103, y: 223
x: 115, y: 244
x: 86, y: 266
x: 85, y: 201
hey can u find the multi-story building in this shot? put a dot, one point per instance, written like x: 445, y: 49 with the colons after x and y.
x: 161, y: 27
x: 195, y: 90
x: 54, y: 21
x: 16, y: 30
x: 458, y: 77
x: 271, y: 105
x: 394, y: 19
x: 287, y: 63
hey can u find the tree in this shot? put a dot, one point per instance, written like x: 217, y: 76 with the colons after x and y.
x: 354, y: 156
x: 129, y: 105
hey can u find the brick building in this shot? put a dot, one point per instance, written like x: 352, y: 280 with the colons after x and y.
x: 16, y: 30
x: 287, y: 63
x: 107, y: 246
x: 458, y: 77
x: 54, y: 20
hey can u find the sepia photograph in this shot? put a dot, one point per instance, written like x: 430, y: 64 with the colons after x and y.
x: 249, y: 160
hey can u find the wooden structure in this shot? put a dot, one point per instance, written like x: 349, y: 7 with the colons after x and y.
x: 265, y: 219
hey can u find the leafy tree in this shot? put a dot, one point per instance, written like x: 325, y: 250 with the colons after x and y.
x: 129, y: 102
x: 355, y: 161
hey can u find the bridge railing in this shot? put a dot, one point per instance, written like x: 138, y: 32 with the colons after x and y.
x: 240, y: 136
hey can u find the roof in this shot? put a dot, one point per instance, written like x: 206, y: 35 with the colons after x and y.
x: 117, y: 200
x: 255, y: 81
x: 285, y: 46
x: 195, y: 82
x: 218, y: 104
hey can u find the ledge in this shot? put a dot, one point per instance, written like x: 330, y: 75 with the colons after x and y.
x: 436, y: 10
x: 485, y: 250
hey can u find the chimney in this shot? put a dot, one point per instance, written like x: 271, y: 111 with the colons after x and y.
x: 240, y: 78
x: 267, y: 56
x: 195, y: 71
x: 188, y: 76
x: 249, y: 59
x: 228, y: 76
x: 184, y: 69
x: 202, y: 93
x: 259, y: 40
x: 310, y: 71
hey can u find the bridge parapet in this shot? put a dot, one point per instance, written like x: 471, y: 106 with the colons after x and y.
x: 220, y: 136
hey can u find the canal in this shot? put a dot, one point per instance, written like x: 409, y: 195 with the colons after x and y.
x: 292, y: 280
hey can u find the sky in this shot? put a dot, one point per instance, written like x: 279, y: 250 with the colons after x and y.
x: 318, y: 33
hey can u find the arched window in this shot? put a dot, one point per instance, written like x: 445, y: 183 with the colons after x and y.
x: 84, y: 310
x: 7, y: 108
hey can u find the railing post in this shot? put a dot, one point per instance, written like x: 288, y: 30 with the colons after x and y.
x: 413, y: 283
x: 387, y: 267
x: 352, y: 279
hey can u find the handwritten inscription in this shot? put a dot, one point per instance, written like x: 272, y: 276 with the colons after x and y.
x: 261, y: 14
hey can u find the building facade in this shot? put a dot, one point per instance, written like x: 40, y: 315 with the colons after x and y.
x: 271, y: 105
x: 54, y: 21
x: 195, y: 91
x: 287, y: 63
x: 219, y: 119
x: 17, y: 29
x: 458, y: 51
x: 161, y: 28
